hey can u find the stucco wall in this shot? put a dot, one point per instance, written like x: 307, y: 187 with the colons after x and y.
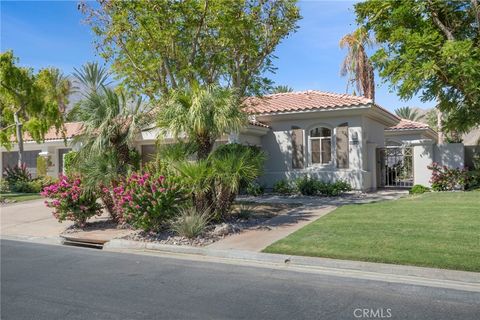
x: 451, y: 155
x: 278, y: 145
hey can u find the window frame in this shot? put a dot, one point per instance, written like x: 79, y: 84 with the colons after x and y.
x: 319, y: 139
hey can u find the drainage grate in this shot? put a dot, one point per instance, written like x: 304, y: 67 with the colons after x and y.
x: 86, y: 243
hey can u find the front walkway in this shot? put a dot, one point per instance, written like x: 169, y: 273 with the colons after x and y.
x: 281, y: 226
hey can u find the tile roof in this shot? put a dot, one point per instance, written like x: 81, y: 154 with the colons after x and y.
x: 406, y: 124
x: 71, y: 129
x: 301, y: 101
x: 258, y: 123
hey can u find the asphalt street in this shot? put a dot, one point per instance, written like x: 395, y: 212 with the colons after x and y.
x: 58, y: 282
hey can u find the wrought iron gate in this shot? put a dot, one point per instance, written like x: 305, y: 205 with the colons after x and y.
x: 396, y: 166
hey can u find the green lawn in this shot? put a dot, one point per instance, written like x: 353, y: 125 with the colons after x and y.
x: 440, y: 230
x: 19, y: 197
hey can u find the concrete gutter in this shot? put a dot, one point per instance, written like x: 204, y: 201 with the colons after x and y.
x: 441, y: 278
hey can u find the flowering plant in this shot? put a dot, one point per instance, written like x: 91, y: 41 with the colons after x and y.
x: 147, y: 201
x: 445, y: 178
x: 71, y: 201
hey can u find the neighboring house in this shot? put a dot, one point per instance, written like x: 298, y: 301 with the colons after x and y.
x: 328, y: 136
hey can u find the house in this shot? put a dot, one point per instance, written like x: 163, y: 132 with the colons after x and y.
x: 320, y: 134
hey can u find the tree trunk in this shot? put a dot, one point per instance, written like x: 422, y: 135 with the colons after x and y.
x: 19, y: 138
x: 205, y: 147
x: 109, y: 205
x: 441, y: 136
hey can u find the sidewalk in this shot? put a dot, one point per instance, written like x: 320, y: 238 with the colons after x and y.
x: 271, y: 231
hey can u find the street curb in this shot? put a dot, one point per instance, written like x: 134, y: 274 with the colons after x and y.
x: 42, y: 240
x: 460, y: 280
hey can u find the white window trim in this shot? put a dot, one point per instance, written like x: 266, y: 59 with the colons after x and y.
x: 309, y: 153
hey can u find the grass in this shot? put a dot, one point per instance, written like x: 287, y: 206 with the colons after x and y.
x: 19, y: 197
x: 440, y: 230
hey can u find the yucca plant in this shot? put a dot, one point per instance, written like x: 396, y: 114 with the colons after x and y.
x: 190, y: 223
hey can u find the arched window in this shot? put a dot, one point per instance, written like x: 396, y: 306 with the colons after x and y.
x: 320, y: 142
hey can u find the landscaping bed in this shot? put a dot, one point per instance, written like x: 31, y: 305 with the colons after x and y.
x: 246, y: 216
x: 438, y: 230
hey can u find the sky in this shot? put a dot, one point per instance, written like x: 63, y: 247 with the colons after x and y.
x: 51, y: 34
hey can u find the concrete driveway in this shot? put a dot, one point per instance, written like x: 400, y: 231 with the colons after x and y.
x: 29, y: 219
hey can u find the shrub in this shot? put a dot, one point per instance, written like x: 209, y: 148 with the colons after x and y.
x: 147, y: 201
x: 255, y: 189
x: 419, y: 189
x: 283, y: 187
x: 71, y: 201
x: 445, y: 179
x: 189, y: 223
x: 68, y: 162
x: 307, y: 186
x: 17, y: 173
x: 244, y: 210
x: 473, y: 179
x: 4, y: 188
x: 42, y: 166
x: 333, y: 189
x: 25, y: 187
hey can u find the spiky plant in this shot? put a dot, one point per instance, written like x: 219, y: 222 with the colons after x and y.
x: 357, y: 65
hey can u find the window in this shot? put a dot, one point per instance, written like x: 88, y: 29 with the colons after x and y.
x: 320, y: 140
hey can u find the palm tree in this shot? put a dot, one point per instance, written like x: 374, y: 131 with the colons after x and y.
x: 408, y: 113
x: 92, y: 76
x: 356, y: 64
x: 110, y: 125
x: 281, y: 89
x: 202, y: 115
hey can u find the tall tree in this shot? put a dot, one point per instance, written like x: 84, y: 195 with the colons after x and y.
x: 357, y: 65
x: 110, y: 125
x: 408, y: 113
x: 92, y: 77
x: 29, y: 102
x: 429, y: 47
x: 155, y: 46
x: 202, y: 115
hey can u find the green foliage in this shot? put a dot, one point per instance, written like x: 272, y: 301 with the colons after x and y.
x: 310, y: 187
x: 418, y: 189
x: 283, y: 187
x: 431, y: 48
x: 281, y: 89
x: 4, y: 187
x: 473, y: 180
x: 214, y: 182
x: 155, y: 46
x: 202, y: 114
x: 38, y: 98
x: 17, y: 173
x: 244, y: 210
x: 255, y: 189
x: 69, y: 162
x: 307, y: 186
x: 408, y: 113
x: 189, y: 223
x: 42, y: 166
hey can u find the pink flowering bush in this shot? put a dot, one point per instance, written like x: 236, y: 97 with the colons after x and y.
x: 446, y: 179
x: 147, y: 201
x: 70, y: 201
